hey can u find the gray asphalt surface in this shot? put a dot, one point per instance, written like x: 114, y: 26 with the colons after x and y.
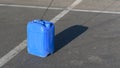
x: 85, y: 39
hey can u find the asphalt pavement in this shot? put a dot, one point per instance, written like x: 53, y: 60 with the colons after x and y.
x: 82, y: 39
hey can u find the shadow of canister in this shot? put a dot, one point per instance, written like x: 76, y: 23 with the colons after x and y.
x: 68, y: 35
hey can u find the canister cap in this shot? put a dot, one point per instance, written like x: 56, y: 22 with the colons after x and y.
x: 42, y: 25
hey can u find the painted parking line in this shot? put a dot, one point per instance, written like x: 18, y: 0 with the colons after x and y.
x: 12, y: 53
x: 96, y: 11
x: 54, y: 8
x: 64, y: 12
x: 25, y: 6
x: 22, y: 45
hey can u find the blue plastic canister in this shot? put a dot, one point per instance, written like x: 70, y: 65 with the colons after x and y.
x: 40, y: 38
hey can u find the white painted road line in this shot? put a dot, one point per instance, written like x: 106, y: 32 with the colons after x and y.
x: 12, y: 53
x: 25, y: 6
x: 96, y: 11
x: 22, y: 45
x: 64, y: 12
x: 52, y: 8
